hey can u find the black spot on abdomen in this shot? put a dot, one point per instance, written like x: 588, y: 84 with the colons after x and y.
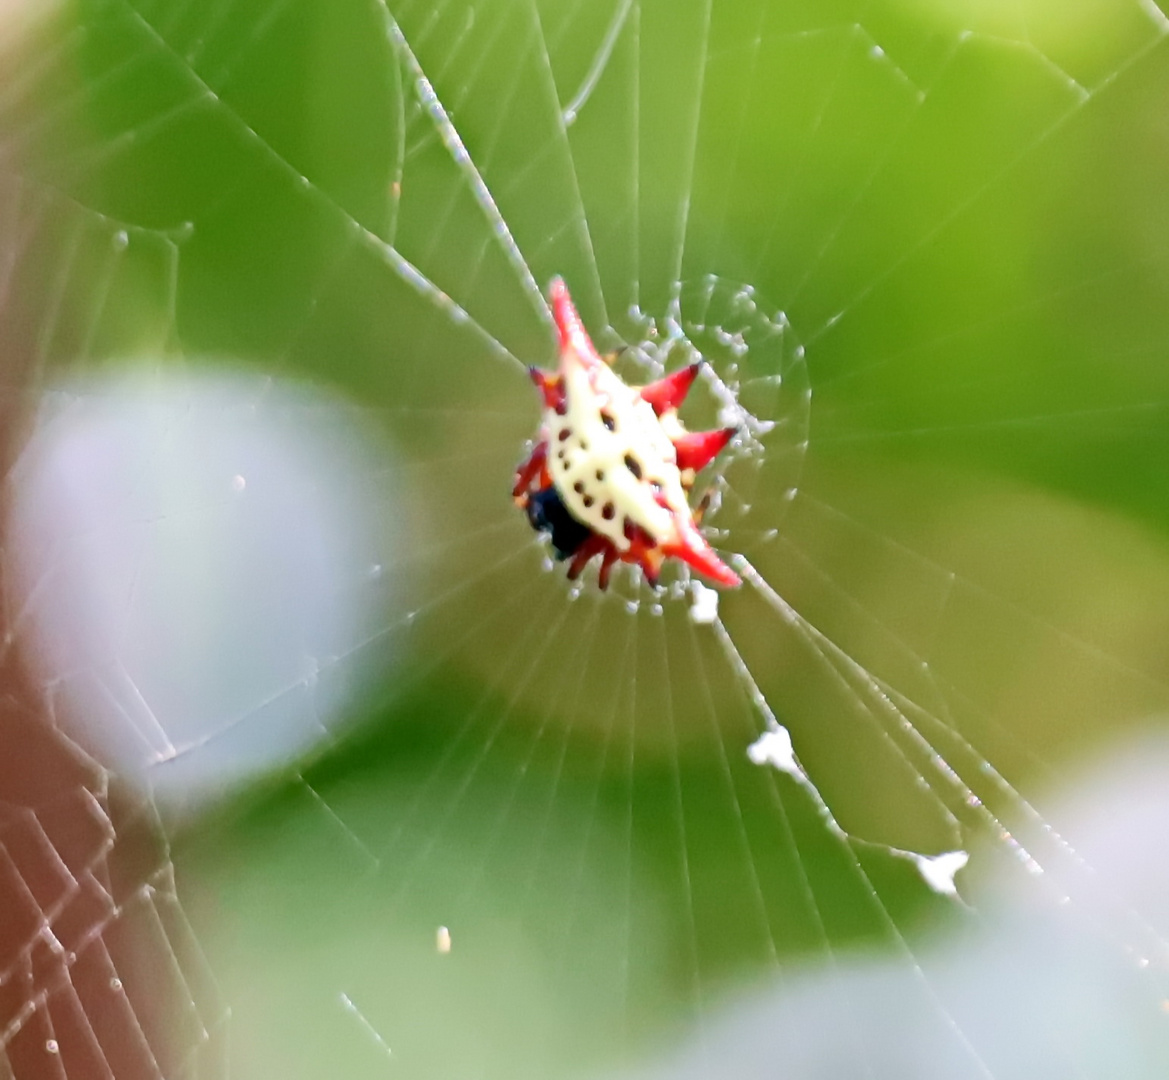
x: 547, y: 513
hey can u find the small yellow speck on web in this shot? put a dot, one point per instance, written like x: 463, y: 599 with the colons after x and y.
x: 442, y: 940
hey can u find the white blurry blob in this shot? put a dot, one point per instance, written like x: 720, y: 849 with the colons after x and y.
x: 1030, y: 990
x: 774, y: 748
x: 939, y: 871
x: 200, y: 563
x: 703, y: 604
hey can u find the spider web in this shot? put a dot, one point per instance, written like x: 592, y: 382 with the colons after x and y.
x: 550, y: 831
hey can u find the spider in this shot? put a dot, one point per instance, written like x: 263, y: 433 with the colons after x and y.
x: 613, y: 465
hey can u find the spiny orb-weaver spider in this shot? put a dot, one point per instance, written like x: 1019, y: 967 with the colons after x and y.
x: 612, y: 465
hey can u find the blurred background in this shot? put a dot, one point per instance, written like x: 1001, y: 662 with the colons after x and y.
x: 313, y: 765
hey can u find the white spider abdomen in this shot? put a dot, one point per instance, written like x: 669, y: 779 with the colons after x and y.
x: 611, y: 459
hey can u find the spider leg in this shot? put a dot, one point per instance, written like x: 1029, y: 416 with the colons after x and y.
x: 594, y: 545
x: 701, y: 508
x: 527, y: 472
x: 643, y: 551
x: 551, y: 389
x: 608, y: 558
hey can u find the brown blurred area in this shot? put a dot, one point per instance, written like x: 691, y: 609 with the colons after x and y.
x: 95, y: 971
